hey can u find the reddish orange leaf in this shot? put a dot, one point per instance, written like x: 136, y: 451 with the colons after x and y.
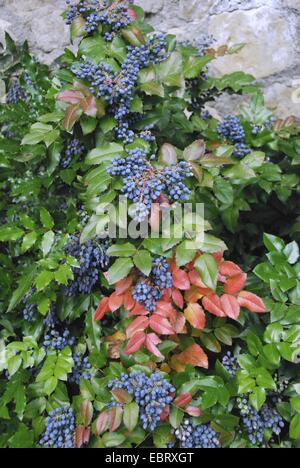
x: 138, y: 310
x: 115, y: 302
x: 177, y: 298
x: 102, y: 309
x: 195, y: 316
x: 71, y: 96
x: 151, y: 343
x: 218, y: 256
x: 115, y: 419
x: 139, y: 324
x: 193, y: 295
x: 229, y: 269
x: 193, y: 411
x: 129, y: 302
x: 102, y: 422
x: 193, y: 355
x: 183, y: 400
x: 213, y: 305
x: 195, y: 279
x: 181, y: 279
x: 179, y: 323
x: 165, y: 414
x: 121, y: 395
x: 235, y: 284
x: 230, y: 306
x: 161, y: 325
x: 72, y: 114
x: 81, y: 436
x: 155, y: 217
x: 89, y: 106
x: 135, y: 343
x: 251, y: 302
x: 123, y: 285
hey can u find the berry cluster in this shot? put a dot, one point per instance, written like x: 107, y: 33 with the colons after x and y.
x: 92, y: 257
x: 231, y: 129
x: 152, y: 394
x: 59, y: 430
x: 56, y: 341
x: 191, y: 435
x: 30, y: 309
x: 143, y: 184
x: 148, y: 291
x: 82, y: 369
x: 114, y: 15
x: 15, y: 94
x: 230, y: 363
x: 118, y: 89
x: 74, y: 149
x: 256, y: 423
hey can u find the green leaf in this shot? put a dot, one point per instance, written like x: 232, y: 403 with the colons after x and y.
x: 170, y: 71
x: 24, y: 285
x: 28, y: 241
x: 211, y: 244
x: 143, y: 261
x: 163, y: 436
x: 46, y: 218
x: 47, y: 242
x: 10, y: 233
x: 292, y: 252
x: 176, y: 417
x: 50, y: 385
x: 295, y: 427
x: 113, y: 440
x: 119, y: 270
x: 295, y: 402
x: 22, y: 438
x: 93, y: 48
x: 14, y: 364
x: 184, y: 254
x: 258, y: 398
x: 273, y: 243
x: 131, y: 416
x: 43, y: 280
x: 104, y: 154
x: 208, y: 270
x: 64, y: 274
x: 122, y: 250
x: 195, y: 151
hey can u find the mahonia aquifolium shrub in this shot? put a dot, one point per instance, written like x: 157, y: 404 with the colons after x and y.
x: 167, y: 340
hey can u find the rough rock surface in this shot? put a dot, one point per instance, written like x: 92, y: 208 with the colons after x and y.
x: 270, y: 29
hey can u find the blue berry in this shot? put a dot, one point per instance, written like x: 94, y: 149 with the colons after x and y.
x: 191, y: 435
x: 30, y: 309
x: 230, y: 363
x: 56, y: 341
x: 15, y: 94
x: 59, y: 430
x: 82, y: 369
x: 93, y: 259
x: 74, y: 149
x: 152, y: 394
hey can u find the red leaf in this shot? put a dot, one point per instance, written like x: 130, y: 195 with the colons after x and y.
x: 183, y: 400
x: 135, y: 343
x: 115, y: 419
x: 177, y: 298
x: 229, y: 269
x: 251, y: 302
x: 165, y: 309
x: 121, y: 395
x: 195, y: 279
x: 129, y: 302
x: 193, y: 411
x: 102, y: 309
x: 181, y: 279
x: 179, y: 324
x: 154, y: 219
x: 71, y: 96
x: 165, y: 414
x: 138, y: 310
x: 193, y: 295
x: 81, y: 436
x: 193, y: 355
x: 235, y: 284
x: 230, y: 306
x: 132, y: 14
x: 218, y: 256
x: 123, y: 285
x: 139, y: 324
x: 195, y: 316
x: 89, y: 106
x: 213, y: 305
x: 86, y: 412
x: 161, y: 325
x: 72, y: 114
x: 115, y: 302
x: 102, y: 422
x: 151, y: 341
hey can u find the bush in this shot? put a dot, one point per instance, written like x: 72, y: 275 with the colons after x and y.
x: 128, y: 341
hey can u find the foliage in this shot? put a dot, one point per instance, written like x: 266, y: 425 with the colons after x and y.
x: 174, y: 340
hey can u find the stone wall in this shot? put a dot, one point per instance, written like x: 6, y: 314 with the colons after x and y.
x: 270, y: 28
